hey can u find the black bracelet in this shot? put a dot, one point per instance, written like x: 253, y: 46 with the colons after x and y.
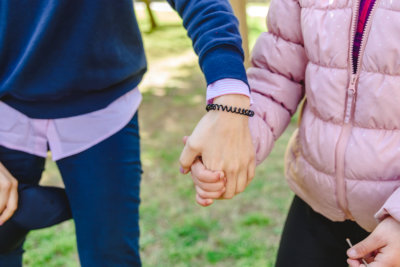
x: 241, y: 111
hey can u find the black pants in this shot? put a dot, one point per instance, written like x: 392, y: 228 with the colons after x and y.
x: 311, y: 240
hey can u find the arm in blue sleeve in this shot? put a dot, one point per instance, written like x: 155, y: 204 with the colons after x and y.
x: 214, y: 31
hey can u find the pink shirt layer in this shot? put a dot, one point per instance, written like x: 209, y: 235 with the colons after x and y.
x: 69, y: 136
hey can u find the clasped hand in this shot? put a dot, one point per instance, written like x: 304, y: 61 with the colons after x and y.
x: 219, y: 153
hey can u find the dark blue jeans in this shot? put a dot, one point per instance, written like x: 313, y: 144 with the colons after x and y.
x: 102, y: 185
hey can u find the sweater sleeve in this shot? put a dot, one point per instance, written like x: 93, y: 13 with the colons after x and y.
x: 214, y: 31
x: 279, y: 61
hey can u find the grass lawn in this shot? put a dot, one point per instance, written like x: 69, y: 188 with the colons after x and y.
x: 175, y: 230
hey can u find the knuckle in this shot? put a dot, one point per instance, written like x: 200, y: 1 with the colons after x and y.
x: 233, y: 169
x: 5, y: 185
x: 252, y: 157
x: 241, y: 169
x: 193, y: 145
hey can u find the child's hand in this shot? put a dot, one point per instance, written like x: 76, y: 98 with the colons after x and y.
x: 380, y: 249
x: 209, y: 184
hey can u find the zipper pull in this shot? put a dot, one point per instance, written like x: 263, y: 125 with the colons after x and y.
x: 353, y: 81
x: 351, y: 91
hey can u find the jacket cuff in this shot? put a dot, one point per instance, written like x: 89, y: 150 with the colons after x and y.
x: 390, y: 208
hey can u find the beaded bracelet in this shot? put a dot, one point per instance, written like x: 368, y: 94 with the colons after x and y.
x: 241, y: 111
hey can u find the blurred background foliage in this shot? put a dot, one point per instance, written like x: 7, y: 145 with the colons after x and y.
x: 175, y: 231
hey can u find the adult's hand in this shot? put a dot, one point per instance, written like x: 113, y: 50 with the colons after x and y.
x: 224, y: 142
x: 8, y: 194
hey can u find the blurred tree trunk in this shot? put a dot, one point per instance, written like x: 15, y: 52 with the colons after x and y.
x: 151, y: 15
x: 239, y: 7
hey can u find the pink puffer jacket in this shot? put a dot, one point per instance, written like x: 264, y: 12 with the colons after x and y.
x: 344, y: 160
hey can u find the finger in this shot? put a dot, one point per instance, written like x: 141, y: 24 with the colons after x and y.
x: 209, y: 187
x: 203, y: 202
x: 241, y: 182
x: 370, y: 257
x: 12, y: 205
x: 230, y: 186
x: 365, y: 247
x: 202, y: 174
x: 209, y: 195
x: 353, y: 263
x: 5, y: 187
x: 251, y: 172
x: 188, y: 156
x: 387, y: 256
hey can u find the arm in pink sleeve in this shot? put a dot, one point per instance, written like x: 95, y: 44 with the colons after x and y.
x: 390, y: 208
x: 279, y: 61
x: 225, y: 87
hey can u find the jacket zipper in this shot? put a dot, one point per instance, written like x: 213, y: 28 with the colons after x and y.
x: 350, y: 107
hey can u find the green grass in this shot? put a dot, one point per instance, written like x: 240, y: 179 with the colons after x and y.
x: 177, y: 232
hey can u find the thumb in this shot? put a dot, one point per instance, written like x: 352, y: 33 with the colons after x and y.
x: 188, y: 156
x: 365, y: 247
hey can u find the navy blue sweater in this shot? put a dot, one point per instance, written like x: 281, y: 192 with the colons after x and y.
x: 60, y: 58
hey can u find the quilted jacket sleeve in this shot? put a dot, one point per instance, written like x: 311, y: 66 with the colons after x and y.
x: 277, y: 74
x: 390, y: 208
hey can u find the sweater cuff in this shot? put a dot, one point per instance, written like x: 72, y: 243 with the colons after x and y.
x: 223, y: 62
x: 226, y: 87
x: 390, y: 208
